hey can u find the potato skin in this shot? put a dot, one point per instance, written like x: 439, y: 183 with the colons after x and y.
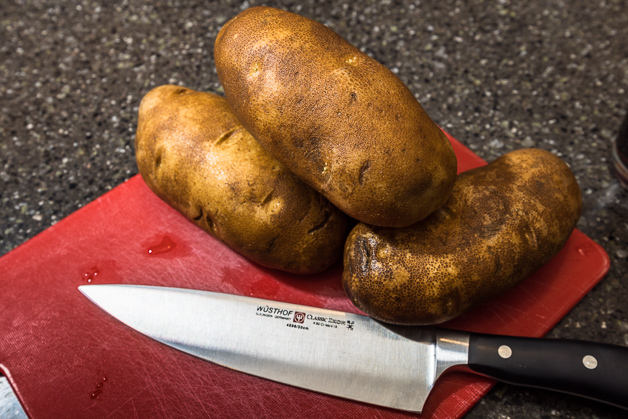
x: 195, y: 155
x: 502, y: 222
x: 337, y: 118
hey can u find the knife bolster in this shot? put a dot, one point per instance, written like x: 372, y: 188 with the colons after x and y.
x: 452, y: 350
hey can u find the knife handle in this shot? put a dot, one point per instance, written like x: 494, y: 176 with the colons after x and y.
x: 592, y: 370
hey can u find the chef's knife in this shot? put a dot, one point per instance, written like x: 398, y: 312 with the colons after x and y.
x: 354, y: 356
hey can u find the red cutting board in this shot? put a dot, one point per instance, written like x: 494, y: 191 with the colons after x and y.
x: 64, y: 357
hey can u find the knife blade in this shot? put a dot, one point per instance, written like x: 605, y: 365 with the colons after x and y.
x: 353, y: 356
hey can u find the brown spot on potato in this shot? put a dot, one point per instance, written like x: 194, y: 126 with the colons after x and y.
x: 209, y: 221
x: 226, y: 136
x: 321, y: 224
x: 362, y: 256
x: 345, y: 187
x: 363, y: 169
x: 272, y: 244
x: 158, y: 158
x: 198, y: 217
x: 266, y: 199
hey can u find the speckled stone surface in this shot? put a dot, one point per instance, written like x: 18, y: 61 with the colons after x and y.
x: 498, y: 75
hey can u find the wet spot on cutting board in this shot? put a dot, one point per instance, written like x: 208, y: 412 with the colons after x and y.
x: 104, y: 271
x: 98, y: 389
x: 164, y: 245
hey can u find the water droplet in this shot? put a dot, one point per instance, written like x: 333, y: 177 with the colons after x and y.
x: 585, y: 249
x: 351, y: 60
x: 164, y: 246
x: 91, y: 275
x: 98, y: 390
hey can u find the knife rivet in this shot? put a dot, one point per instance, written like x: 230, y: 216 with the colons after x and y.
x: 504, y: 351
x: 590, y: 362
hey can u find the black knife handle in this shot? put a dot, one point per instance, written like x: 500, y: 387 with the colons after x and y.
x: 592, y: 370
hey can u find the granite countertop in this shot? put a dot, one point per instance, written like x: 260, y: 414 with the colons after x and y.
x: 498, y: 75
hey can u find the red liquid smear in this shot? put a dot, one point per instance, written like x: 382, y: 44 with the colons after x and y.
x: 266, y: 287
x: 165, y: 246
x: 91, y: 275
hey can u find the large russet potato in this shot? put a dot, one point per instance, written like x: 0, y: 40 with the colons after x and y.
x: 501, y: 223
x: 337, y: 118
x: 195, y: 155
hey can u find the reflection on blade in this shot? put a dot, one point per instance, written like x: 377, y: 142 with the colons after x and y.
x: 332, y: 352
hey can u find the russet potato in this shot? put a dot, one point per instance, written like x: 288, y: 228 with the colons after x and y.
x: 337, y: 118
x: 502, y: 222
x: 195, y: 155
